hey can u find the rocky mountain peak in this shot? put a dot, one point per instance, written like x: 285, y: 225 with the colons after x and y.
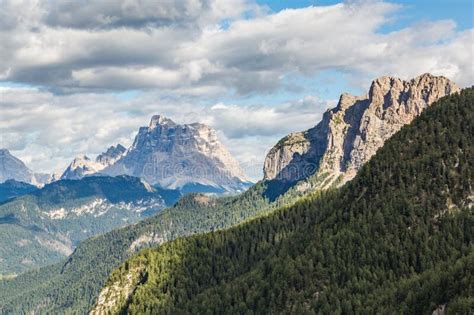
x: 174, y: 155
x: 350, y: 134
x: 160, y: 120
x: 424, y: 89
x: 346, y: 100
x: 80, y: 158
x: 112, y: 154
x: 12, y: 167
x: 81, y: 166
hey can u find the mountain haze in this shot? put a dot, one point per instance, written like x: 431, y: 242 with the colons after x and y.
x: 43, y: 226
x: 12, y: 167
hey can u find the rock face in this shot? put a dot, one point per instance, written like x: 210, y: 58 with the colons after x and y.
x: 12, y: 167
x: 42, y: 226
x: 82, y: 166
x: 352, y: 132
x: 112, y: 154
x: 12, y: 188
x: 177, y: 156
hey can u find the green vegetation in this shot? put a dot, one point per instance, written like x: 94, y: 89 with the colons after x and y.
x: 397, y: 239
x: 73, y: 285
x: 11, y: 189
x: 43, y: 226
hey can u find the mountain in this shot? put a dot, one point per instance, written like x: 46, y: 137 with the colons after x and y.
x: 93, y: 259
x: 112, y: 154
x: 73, y: 285
x: 396, y: 239
x: 83, y: 166
x: 352, y: 132
x: 11, y: 189
x: 47, y: 224
x: 177, y: 156
x: 12, y: 167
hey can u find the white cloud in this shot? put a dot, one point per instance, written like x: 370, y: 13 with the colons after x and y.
x: 180, y: 47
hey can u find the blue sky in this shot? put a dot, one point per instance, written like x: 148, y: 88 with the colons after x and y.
x: 413, y: 11
x: 76, y: 84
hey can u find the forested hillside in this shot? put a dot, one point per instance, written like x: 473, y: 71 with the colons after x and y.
x: 73, y: 285
x: 11, y: 189
x: 43, y: 226
x: 397, y: 239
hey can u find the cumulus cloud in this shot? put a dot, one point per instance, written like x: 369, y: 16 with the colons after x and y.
x: 213, y: 46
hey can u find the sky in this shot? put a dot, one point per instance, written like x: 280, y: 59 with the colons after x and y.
x: 78, y: 77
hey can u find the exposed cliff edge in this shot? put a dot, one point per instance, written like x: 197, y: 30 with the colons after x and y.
x: 352, y: 132
x: 180, y: 156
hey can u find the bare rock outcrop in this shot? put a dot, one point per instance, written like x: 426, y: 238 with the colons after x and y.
x: 12, y: 167
x: 352, y: 132
x: 177, y: 156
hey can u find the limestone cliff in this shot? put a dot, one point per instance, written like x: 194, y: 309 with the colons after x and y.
x: 180, y: 156
x: 352, y: 132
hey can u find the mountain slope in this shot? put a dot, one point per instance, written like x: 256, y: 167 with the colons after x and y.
x: 174, y: 155
x: 350, y: 134
x: 12, y: 167
x: 11, y: 189
x: 376, y: 245
x: 48, y: 224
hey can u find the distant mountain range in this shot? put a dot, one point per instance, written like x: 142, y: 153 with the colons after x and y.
x: 187, y: 157
x: 13, y: 168
x: 82, y: 166
x: 93, y: 196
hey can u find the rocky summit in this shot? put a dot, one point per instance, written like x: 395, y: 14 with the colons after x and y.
x: 83, y: 166
x: 352, y: 132
x: 180, y: 156
x: 112, y: 154
x: 13, y: 168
